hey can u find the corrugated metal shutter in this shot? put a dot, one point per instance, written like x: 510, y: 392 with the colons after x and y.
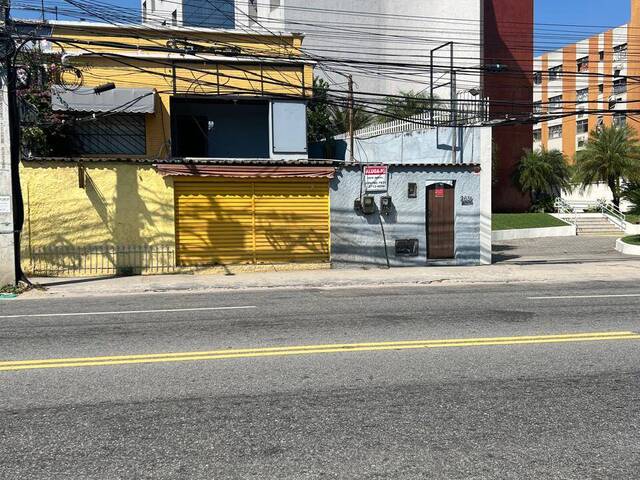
x: 292, y: 221
x: 214, y: 222
x: 243, y: 221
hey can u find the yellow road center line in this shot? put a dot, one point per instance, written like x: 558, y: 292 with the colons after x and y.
x: 315, y: 347
x: 311, y: 350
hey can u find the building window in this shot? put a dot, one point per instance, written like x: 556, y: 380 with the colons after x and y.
x: 537, y: 135
x: 619, y: 119
x: 537, y: 78
x: 555, y: 131
x: 582, y: 126
x: 555, y: 103
x: 253, y: 11
x: 537, y: 107
x: 554, y: 72
x: 582, y: 98
x: 601, y: 88
x: 601, y: 55
x: 619, y: 86
x: 144, y: 12
x: 581, y: 143
x: 174, y: 18
x: 620, y: 53
x: 583, y: 64
x: 122, y: 134
x: 153, y: 6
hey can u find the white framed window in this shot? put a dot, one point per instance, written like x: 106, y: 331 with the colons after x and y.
x: 555, y: 103
x: 620, y: 53
x: 582, y: 126
x: 537, y: 107
x: 619, y: 86
x: 555, y: 131
x: 537, y: 135
x: 555, y: 72
x: 174, y: 18
x: 583, y: 64
x: 582, y: 95
x: 619, y: 119
x: 537, y: 78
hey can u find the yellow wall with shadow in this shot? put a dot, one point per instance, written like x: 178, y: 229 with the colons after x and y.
x: 120, y: 205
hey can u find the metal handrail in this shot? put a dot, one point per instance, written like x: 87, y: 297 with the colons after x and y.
x: 565, y: 208
x: 613, y: 212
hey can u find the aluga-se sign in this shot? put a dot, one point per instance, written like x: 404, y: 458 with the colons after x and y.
x: 375, y: 179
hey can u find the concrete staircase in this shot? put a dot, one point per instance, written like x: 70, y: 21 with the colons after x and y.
x: 596, y: 224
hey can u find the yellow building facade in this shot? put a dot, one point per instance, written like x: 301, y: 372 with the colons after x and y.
x: 112, y: 207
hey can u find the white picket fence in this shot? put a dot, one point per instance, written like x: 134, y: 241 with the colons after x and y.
x: 468, y: 112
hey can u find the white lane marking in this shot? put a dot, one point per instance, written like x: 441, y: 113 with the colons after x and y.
x: 561, y: 297
x: 127, y: 312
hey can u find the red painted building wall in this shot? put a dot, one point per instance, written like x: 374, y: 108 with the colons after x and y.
x: 508, y: 40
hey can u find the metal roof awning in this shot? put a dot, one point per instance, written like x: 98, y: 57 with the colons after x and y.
x: 118, y: 100
x: 249, y: 171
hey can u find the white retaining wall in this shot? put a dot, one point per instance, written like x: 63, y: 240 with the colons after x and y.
x: 521, y: 233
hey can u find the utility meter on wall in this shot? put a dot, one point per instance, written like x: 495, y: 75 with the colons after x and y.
x: 386, y: 205
x: 368, y: 205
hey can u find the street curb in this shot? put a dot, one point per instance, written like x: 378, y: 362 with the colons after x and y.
x: 626, y: 248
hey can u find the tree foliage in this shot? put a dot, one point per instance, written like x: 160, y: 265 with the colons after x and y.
x: 326, y: 119
x: 544, y: 174
x: 406, y: 104
x: 42, y: 131
x: 319, y: 121
x: 631, y: 193
x: 611, y: 155
x: 340, y: 119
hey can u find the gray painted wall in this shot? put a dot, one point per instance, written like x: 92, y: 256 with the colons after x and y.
x: 432, y: 145
x: 357, y: 238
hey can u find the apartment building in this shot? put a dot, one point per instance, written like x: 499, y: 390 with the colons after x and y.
x: 244, y: 15
x: 594, y: 76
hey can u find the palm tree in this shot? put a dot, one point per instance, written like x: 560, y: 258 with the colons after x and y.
x: 611, y: 155
x: 405, y: 105
x: 631, y: 193
x: 340, y: 119
x: 543, y: 173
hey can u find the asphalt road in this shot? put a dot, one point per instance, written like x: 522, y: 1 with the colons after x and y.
x: 523, y: 406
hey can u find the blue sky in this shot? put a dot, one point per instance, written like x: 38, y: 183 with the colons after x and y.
x: 591, y: 15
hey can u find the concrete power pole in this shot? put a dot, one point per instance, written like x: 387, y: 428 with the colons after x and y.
x: 8, y: 273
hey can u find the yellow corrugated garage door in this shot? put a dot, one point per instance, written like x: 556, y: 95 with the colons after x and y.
x: 222, y: 221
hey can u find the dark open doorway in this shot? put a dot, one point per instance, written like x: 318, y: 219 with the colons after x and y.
x: 220, y: 128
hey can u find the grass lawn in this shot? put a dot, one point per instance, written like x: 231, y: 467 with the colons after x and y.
x: 633, y: 218
x: 512, y: 221
x: 632, y: 240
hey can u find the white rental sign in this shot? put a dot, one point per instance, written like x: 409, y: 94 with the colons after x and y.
x: 375, y: 178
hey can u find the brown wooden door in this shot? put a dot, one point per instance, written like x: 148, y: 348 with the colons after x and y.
x: 440, y: 221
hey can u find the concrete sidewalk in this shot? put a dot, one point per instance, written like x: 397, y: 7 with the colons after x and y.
x: 558, y: 272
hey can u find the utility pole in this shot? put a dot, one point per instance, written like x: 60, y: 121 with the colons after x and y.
x: 454, y: 117
x: 351, y: 106
x: 7, y: 244
x: 10, y: 271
